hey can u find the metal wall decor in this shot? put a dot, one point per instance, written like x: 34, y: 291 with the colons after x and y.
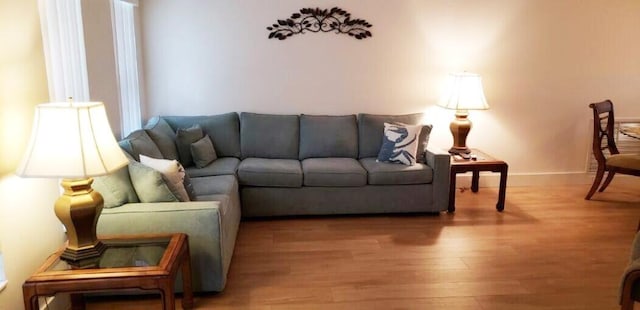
x: 316, y: 20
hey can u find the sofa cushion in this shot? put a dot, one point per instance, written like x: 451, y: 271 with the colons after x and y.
x: 139, y: 142
x: 202, y: 152
x: 399, y: 143
x: 149, y: 184
x: 328, y: 136
x: 269, y: 136
x: 116, y: 188
x: 270, y: 172
x: 394, y: 174
x: 172, y: 173
x: 184, y: 138
x: 213, y: 185
x: 223, y: 129
x: 220, y: 166
x: 164, y: 137
x: 333, y: 172
x: 371, y: 130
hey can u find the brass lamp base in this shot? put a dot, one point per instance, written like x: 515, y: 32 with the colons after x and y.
x: 460, y: 128
x: 78, y: 209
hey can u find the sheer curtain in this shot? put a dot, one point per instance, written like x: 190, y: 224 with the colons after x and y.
x: 124, y: 30
x: 63, y: 41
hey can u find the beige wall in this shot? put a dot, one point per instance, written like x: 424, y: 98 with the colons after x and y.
x: 29, y: 230
x: 101, y: 62
x: 542, y: 62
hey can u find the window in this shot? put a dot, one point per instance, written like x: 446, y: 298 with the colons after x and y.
x: 124, y: 29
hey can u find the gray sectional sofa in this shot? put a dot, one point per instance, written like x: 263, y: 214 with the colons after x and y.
x: 277, y: 165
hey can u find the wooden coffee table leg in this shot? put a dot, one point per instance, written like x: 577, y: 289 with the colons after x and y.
x: 503, y: 188
x: 30, y: 298
x: 167, y: 294
x: 77, y: 301
x: 475, y: 178
x: 187, y: 296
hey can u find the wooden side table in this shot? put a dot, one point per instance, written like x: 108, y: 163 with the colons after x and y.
x: 483, y: 162
x: 147, y: 262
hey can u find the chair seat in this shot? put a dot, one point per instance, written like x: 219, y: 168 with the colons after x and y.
x: 629, y: 161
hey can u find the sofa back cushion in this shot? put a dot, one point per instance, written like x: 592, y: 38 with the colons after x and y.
x: 269, y: 135
x: 328, y: 136
x: 139, y: 142
x: 371, y: 132
x: 164, y: 137
x: 223, y: 129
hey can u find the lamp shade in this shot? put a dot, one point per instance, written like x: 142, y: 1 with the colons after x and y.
x: 71, y: 140
x: 464, y: 92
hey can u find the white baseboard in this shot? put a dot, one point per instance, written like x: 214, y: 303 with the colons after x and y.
x: 488, y: 179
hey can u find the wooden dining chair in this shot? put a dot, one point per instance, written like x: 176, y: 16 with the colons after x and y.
x: 603, y: 123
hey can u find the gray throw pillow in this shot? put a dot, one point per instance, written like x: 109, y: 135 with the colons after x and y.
x: 116, y: 188
x: 139, y: 142
x: 184, y: 138
x: 163, y: 136
x: 203, y: 152
x: 149, y: 184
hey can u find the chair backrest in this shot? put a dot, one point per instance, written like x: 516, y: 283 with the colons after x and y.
x: 603, y: 123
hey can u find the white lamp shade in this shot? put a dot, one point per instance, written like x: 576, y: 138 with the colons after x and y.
x: 464, y: 92
x: 71, y: 140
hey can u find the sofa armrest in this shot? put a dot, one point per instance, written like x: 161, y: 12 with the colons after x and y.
x: 440, y: 161
x: 626, y: 292
x: 201, y: 220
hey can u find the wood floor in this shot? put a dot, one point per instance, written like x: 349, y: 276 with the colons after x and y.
x: 550, y: 249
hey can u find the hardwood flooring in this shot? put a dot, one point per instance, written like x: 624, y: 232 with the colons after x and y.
x: 550, y: 249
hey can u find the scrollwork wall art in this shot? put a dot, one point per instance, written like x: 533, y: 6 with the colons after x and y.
x: 317, y: 20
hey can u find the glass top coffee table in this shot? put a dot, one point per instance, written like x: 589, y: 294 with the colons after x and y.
x: 145, y: 262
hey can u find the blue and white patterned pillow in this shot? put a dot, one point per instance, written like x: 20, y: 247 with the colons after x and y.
x: 399, y: 143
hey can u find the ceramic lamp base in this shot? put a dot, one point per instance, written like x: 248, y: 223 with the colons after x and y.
x: 460, y: 128
x: 78, y: 209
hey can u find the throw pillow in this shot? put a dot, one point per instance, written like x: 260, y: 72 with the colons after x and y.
x: 424, y: 141
x: 172, y: 172
x: 164, y: 137
x: 149, y: 184
x: 139, y: 142
x: 184, y: 138
x: 399, y: 143
x: 116, y: 188
x: 202, y: 152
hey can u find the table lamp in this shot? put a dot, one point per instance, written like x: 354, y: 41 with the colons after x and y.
x: 73, y: 141
x: 463, y: 93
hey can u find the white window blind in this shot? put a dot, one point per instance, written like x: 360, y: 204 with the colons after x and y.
x: 63, y: 42
x: 124, y: 30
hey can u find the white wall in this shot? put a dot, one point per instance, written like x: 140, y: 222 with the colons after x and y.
x: 542, y: 63
x: 29, y: 229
